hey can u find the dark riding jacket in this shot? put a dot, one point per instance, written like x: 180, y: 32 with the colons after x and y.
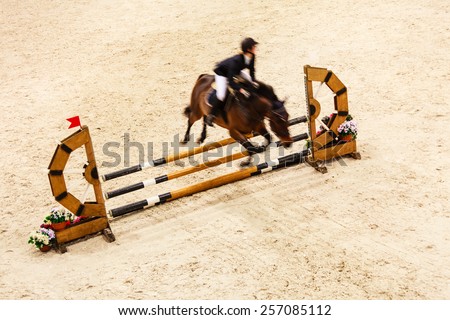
x: 232, y: 67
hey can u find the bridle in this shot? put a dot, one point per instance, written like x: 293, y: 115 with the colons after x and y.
x: 276, y: 113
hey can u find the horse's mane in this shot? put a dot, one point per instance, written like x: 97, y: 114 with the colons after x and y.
x: 266, y: 91
x: 263, y: 90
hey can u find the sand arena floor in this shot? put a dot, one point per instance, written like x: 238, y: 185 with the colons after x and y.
x: 377, y: 228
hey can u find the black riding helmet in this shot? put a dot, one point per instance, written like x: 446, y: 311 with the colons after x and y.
x: 247, y: 44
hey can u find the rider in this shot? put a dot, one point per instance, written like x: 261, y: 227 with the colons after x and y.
x: 226, y: 70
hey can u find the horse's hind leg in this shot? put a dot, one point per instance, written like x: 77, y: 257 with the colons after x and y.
x: 188, y: 131
x: 203, y: 134
x: 192, y: 118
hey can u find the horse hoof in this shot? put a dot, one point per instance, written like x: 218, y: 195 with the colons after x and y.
x: 255, y: 149
x: 260, y: 149
x: 200, y: 140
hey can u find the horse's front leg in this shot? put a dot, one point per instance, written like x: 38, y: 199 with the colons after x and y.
x: 263, y: 131
x: 250, y: 147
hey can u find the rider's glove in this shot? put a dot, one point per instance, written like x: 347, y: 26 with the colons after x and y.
x: 245, y: 93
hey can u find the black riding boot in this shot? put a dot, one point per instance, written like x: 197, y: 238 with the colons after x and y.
x: 215, y: 107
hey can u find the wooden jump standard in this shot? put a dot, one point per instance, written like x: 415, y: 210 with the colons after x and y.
x: 181, y: 155
x: 326, y: 145
x: 281, y: 162
x: 95, y: 211
x: 186, y: 171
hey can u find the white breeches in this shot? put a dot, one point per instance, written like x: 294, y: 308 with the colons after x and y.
x: 222, y: 84
x: 221, y: 87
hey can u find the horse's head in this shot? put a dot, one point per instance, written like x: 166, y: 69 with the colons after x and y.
x: 278, y: 120
x: 277, y: 114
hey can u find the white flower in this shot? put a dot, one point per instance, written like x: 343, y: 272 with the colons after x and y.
x: 41, y: 237
x: 58, y: 215
x: 348, y: 127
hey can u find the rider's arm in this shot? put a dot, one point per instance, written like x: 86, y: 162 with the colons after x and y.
x: 251, y: 68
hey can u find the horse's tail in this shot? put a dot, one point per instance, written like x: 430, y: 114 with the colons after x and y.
x: 187, y: 111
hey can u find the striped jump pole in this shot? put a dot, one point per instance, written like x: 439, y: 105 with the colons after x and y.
x: 281, y: 162
x: 181, y: 155
x: 186, y: 171
x: 168, y: 159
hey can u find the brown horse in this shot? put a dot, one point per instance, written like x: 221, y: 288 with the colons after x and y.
x: 243, y: 115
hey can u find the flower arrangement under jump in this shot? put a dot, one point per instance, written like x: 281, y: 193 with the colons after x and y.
x: 58, y: 215
x: 58, y: 219
x: 42, y: 237
x: 349, y: 127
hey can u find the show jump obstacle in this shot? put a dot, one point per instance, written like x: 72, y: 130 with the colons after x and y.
x: 326, y: 145
x: 323, y: 146
x: 97, y: 220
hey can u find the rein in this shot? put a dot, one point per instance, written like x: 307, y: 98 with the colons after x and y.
x: 272, y: 110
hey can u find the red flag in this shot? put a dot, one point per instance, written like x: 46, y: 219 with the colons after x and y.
x: 74, y: 122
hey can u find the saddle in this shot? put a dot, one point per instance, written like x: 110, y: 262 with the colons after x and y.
x: 223, y: 106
